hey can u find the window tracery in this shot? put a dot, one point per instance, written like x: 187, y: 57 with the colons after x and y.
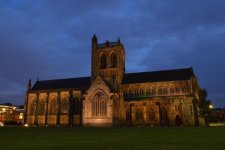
x: 171, y: 89
x: 139, y: 115
x: 151, y: 114
x: 31, y: 106
x: 148, y: 91
x: 64, y: 105
x: 99, y: 108
x: 41, y: 107
x: 53, y: 106
x: 177, y: 89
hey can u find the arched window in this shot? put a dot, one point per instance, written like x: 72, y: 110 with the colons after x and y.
x: 171, y: 89
x: 184, y: 90
x: 128, y: 115
x: 136, y: 91
x: 177, y: 89
x: 147, y: 91
x: 164, y: 91
x: 113, y: 59
x: 77, y: 106
x: 31, y: 107
x: 188, y: 88
x: 41, y: 107
x: 165, y: 119
x: 99, y: 105
x: 151, y: 115
x: 130, y: 92
x: 160, y: 91
x: 64, y: 105
x: 139, y: 115
x: 53, y: 106
x: 153, y: 91
x: 103, y: 61
x: 141, y: 92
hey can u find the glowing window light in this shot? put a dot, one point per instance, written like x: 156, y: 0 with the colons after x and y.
x: 21, y: 116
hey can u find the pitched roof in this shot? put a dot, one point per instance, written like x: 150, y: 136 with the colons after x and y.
x: 157, y: 76
x: 81, y: 83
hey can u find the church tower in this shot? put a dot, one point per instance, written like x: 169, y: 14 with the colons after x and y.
x: 108, y: 61
x: 103, y: 101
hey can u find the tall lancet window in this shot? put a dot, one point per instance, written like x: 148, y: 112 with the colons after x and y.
x: 41, y: 107
x: 65, y: 105
x: 113, y: 60
x: 103, y: 61
x: 53, y: 106
x: 99, y: 105
x: 31, y: 106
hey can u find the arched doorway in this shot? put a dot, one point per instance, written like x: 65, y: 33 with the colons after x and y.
x: 178, y: 120
x: 164, y: 117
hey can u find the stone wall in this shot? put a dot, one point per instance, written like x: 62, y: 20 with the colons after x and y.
x: 53, y: 108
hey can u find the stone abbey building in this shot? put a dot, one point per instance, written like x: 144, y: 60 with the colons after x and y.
x: 112, y: 97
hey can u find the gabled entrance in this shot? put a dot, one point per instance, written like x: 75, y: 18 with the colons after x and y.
x: 98, y: 105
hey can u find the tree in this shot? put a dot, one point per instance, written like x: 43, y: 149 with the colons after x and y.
x: 205, y: 105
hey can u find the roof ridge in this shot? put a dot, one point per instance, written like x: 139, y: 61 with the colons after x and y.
x: 159, y: 70
x: 64, y: 79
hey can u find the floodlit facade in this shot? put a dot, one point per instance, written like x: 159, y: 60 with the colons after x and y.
x: 112, y: 97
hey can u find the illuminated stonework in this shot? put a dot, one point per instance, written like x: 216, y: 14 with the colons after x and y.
x: 93, y: 113
x: 111, y: 97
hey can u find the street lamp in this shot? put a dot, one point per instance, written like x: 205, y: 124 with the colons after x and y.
x: 210, y: 106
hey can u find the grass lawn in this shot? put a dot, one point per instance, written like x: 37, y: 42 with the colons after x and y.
x: 200, y: 138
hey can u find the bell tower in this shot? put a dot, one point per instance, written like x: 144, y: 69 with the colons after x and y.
x: 108, y: 61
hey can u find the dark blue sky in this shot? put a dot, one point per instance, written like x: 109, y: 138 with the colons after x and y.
x: 49, y: 39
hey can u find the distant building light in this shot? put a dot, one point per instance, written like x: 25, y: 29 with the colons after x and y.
x: 1, y: 124
x: 26, y: 125
x: 210, y: 106
x: 21, y: 116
